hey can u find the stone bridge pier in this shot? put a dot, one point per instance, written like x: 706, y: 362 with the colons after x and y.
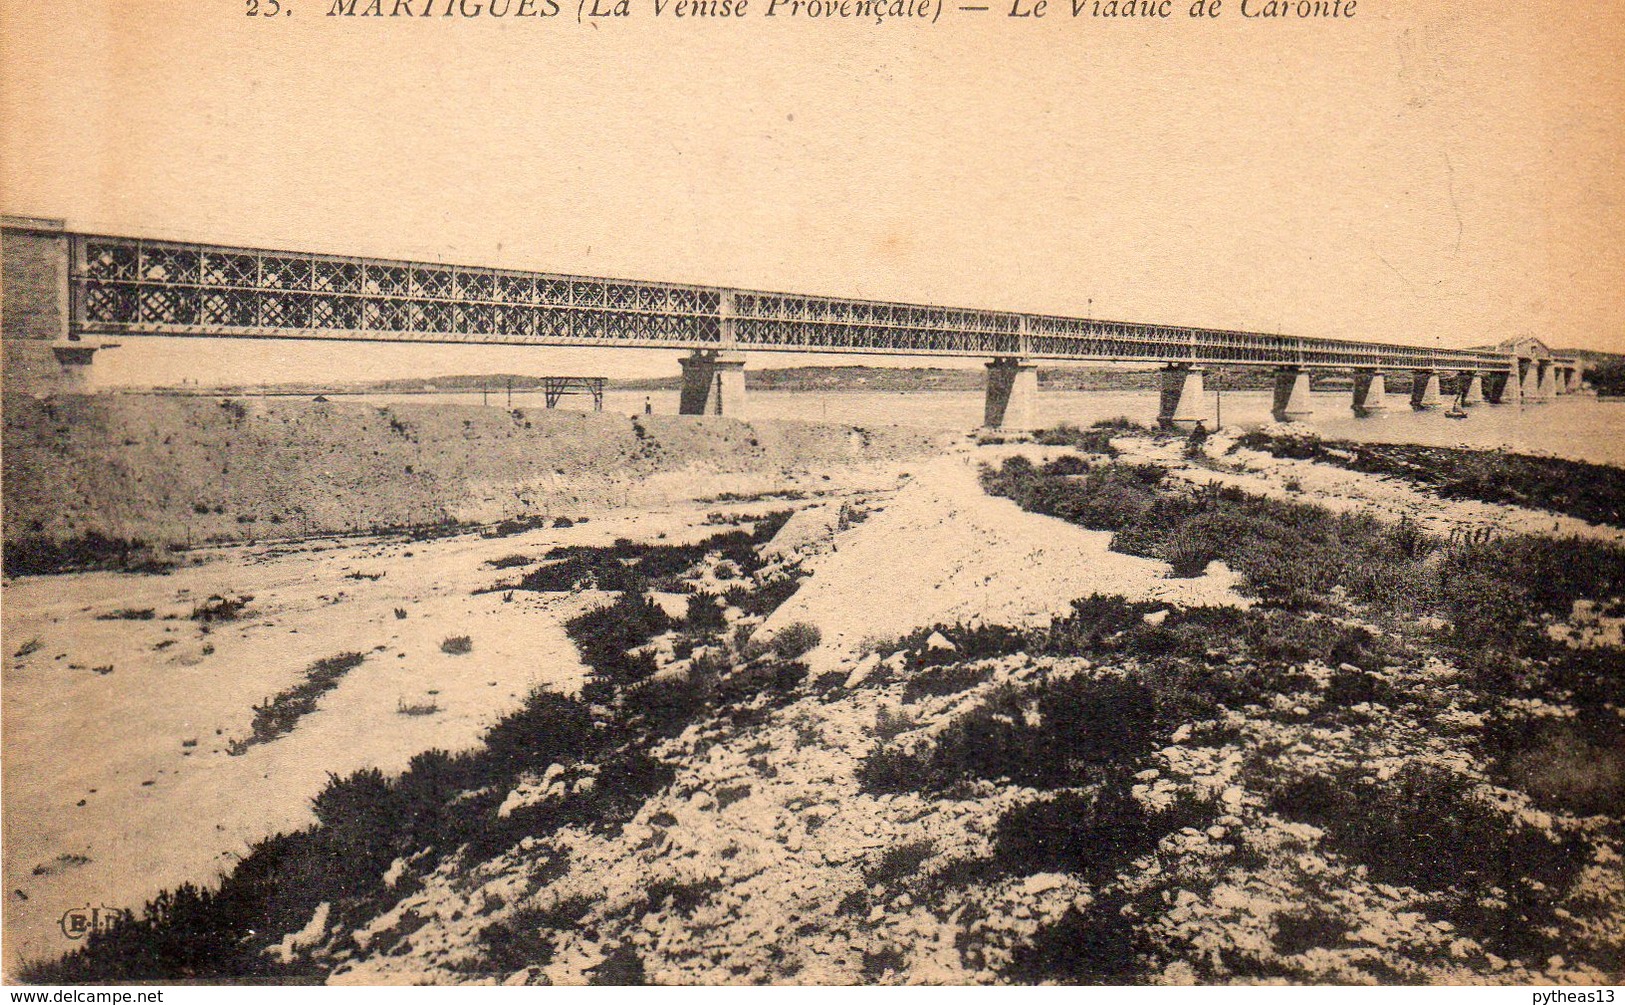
x: 713, y: 384
x: 1291, y: 394
x: 1012, y: 395
x: 1542, y: 374
x: 1370, y: 392
x: 1472, y: 387
x: 1182, y: 390
x: 1425, y: 389
x: 1506, y: 387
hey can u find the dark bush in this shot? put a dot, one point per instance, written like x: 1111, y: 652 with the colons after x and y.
x: 1095, y: 440
x: 1354, y: 688
x: 1085, y: 726
x: 1102, y: 946
x: 940, y: 681
x: 970, y: 642
x: 1573, y: 765
x: 1427, y: 827
x: 1068, y: 464
x: 764, y: 598
x: 1311, y: 928
x: 31, y: 555
x: 1091, y: 834
x: 605, y: 634
x: 704, y: 615
x: 797, y: 639
x: 669, y: 704
x: 277, y: 716
x: 549, y: 728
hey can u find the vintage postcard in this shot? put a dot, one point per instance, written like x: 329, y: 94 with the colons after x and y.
x: 813, y: 492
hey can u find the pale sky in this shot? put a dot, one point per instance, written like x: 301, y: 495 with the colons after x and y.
x: 1427, y: 171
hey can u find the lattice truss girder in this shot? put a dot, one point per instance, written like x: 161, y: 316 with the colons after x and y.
x: 135, y: 286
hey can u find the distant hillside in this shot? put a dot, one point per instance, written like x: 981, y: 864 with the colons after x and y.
x: 397, y: 385
x: 832, y: 379
x: 922, y: 379
x: 1593, y: 356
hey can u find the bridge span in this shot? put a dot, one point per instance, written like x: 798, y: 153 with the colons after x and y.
x: 79, y: 292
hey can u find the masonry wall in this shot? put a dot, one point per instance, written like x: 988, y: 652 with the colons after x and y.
x: 34, y: 309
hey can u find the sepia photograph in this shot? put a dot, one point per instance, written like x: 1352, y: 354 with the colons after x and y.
x: 812, y: 493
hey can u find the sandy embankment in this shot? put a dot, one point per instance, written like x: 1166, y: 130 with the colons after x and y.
x: 195, y: 470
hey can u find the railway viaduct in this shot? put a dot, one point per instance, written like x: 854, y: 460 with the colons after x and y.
x: 69, y: 295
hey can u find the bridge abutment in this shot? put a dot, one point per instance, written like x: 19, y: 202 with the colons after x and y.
x: 1012, y: 395
x: 1182, y: 389
x: 713, y: 384
x: 1370, y: 392
x: 1291, y: 394
x: 42, y: 354
x: 1425, y: 389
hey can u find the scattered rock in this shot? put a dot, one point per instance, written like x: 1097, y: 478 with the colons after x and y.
x: 1043, y: 882
x: 861, y: 672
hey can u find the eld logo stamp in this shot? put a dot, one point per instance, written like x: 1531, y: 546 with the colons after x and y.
x: 78, y: 922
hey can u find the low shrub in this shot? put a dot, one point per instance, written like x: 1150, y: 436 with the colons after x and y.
x: 1081, y: 727
x: 37, y: 555
x: 606, y: 634
x: 218, y: 608
x: 764, y: 598
x: 704, y: 615
x: 276, y: 717
x: 669, y: 704
x: 1095, y: 440
x: 128, y: 614
x: 1067, y: 464
x: 796, y: 639
x: 969, y: 642
x: 941, y: 681
x: 899, y: 862
x: 1431, y: 829
x: 1100, y: 945
x: 1572, y: 765
x: 1093, y: 833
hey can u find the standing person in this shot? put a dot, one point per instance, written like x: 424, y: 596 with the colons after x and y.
x: 648, y: 409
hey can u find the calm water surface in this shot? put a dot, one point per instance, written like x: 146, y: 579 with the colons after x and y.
x: 1577, y: 427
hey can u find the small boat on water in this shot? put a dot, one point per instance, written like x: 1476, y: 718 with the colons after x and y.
x: 1456, y: 410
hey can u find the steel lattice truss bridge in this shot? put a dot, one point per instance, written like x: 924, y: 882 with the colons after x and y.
x: 130, y: 286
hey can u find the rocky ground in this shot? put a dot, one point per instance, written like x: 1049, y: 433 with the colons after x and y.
x: 965, y: 777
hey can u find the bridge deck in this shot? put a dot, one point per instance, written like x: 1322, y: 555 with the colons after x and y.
x: 132, y: 286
